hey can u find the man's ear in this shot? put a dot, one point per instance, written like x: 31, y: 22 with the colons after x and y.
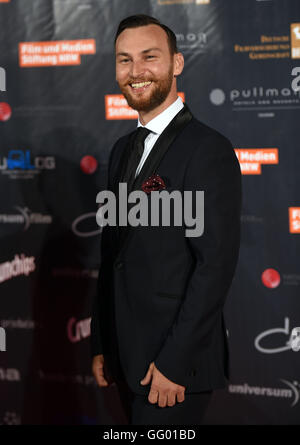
x: 178, y: 63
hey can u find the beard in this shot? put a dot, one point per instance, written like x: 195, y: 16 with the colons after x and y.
x: 160, y: 90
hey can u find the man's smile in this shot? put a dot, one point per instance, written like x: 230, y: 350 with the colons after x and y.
x: 140, y: 86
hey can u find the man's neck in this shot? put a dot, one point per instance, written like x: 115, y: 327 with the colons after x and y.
x: 147, y: 116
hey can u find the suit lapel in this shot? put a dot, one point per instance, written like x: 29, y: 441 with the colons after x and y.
x: 122, y: 163
x: 154, y: 158
x: 161, y: 146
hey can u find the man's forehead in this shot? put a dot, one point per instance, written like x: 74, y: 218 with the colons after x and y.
x: 142, y: 35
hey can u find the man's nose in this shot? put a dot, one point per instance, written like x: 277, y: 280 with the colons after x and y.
x: 137, y: 69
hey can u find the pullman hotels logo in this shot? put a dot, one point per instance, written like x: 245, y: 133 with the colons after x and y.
x: 258, y: 98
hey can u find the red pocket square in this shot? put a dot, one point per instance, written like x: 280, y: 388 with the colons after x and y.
x: 154, y: 182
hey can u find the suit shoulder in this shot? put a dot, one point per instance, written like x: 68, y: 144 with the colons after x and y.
x: 211, y: 148
x: 123, y: 139
x: 208, y: 138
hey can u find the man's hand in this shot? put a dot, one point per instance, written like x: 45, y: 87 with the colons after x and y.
x: 162, y: 389
x: 100, y: 371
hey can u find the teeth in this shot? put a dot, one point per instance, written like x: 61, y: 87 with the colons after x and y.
x: 140, y: 85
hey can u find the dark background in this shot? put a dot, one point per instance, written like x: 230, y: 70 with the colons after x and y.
x: 57, y: 118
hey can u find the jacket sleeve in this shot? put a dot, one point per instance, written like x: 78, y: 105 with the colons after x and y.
x: 216, y: 171
x: 100, y: 302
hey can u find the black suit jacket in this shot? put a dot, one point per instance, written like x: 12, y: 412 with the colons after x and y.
x: 161, y: 294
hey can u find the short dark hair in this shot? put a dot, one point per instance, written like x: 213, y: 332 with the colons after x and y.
x: 135, y: 21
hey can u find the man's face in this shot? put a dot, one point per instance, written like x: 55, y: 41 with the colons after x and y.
x: 144, y: 66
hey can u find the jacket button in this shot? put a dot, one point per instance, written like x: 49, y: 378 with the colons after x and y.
x: 119, y: 265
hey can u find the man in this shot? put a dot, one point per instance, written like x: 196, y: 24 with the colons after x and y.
x: 157, y: 326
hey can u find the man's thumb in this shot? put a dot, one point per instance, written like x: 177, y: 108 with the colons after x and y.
x: 147, y: 377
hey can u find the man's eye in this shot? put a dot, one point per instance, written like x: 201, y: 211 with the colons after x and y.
x: 150, y: 57
x: 124, y: 60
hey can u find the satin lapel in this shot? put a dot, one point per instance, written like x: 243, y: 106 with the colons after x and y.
x: 161, y: 146
x: 122, y: 163
x: 156, y: 154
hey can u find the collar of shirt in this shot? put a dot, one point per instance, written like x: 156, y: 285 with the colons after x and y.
x: 162, y: 120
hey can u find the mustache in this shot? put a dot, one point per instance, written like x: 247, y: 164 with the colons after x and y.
x: 139, y: 81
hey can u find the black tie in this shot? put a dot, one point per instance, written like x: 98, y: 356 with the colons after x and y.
x: 133, y: 161
x: 135, y: 156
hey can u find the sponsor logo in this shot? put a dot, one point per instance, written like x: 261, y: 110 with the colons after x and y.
x: 10, y: 375
x: 116, y: 107
x: 270, y: 278
x: 20, y: 164
x: 25, y: 217
x: 20, y: 265
x: 195, y: 42
x: 251, y: 159
x: 269, y: 47
x: 278, y: 334
x: 5, y: 111
x: 80, y: 225
x: 88, y: 164
x: 257, y: 98
x: 2, y: 339
x: 294, y: 219
x: 2, y: 79
x: 291, y: 393
x: 78, y: 330
x: 295, y: 40
x: 54, y: 53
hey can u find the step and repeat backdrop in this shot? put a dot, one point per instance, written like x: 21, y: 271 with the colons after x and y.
x: 60, y: 113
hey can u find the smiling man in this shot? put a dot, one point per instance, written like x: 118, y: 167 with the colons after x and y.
x: 157, y: 326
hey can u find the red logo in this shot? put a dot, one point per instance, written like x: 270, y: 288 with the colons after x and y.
x: 88, y: 164
x: 270, y: 278
x: 5, y: 111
